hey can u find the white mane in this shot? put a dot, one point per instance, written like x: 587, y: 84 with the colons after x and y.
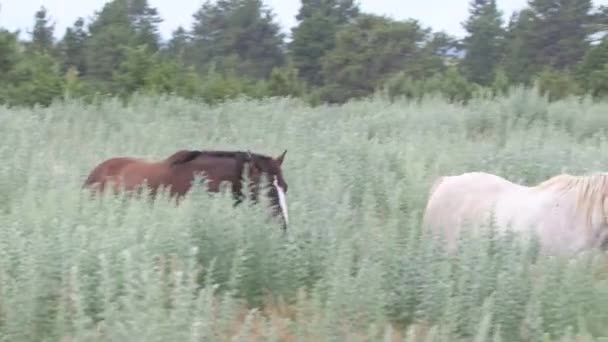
x: 591, y: 191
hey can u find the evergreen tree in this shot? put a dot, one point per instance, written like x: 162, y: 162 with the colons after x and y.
x: 560, y: 31
x: 42, y: 34
x: 119, y: 25
x: 314, y: 36
x: 178, y: 45
x: 73, y: 47
x: 238, y: 35
x: 131, y: 75
x: 484, y: 41
x: 35, y: 79
x: 593, y: 68
x: 145, y: 20
x: 519, y: 60
x: 8, y: 52
x: 368, y: 52
x: 433, y: 56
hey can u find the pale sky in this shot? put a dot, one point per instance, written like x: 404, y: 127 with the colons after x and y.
x: 446, y: 15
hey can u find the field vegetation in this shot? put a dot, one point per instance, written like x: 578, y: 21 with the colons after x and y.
x: 354, y: 265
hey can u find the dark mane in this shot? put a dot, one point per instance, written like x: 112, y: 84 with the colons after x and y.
x: 233, y: 154
x: 182, y: 157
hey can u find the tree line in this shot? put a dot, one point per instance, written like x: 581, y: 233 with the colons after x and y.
x: 336, y: 52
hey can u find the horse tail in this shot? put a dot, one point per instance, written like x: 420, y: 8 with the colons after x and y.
x: 425, y: 217
x: 90, y: 179
x: 107, y: 168
x: 435, y: 185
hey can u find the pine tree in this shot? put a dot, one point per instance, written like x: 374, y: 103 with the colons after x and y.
x: 237, y: 35
x: 178, y: 45
x: 367, y: 53
x: 519, y: 59
x: 72, y: 47
x: 120, y: 24
x: 484, y: 41
x: 8, y: 51
x: 314, y: 36
x: 560, y: 31
x: 42, y: 34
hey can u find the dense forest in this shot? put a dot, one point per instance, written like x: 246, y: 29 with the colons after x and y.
x: 335, y: 53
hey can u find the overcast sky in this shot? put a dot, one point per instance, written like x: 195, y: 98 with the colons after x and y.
x: 446, y: 15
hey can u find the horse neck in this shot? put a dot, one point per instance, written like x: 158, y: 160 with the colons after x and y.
x: 236, y: 168
x: 587, y: 210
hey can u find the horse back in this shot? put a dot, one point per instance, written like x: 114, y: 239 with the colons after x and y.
x: 109, y: 167
x: 467, y: 197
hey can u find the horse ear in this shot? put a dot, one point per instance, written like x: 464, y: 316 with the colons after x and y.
x: 281, y: 157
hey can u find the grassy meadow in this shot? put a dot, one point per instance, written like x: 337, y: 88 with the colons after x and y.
x: 354, y: 265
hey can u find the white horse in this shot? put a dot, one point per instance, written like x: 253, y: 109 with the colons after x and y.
x: 567, y: 213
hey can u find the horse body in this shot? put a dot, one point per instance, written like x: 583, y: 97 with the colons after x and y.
x: 178, y: 171
x: 562, y: 212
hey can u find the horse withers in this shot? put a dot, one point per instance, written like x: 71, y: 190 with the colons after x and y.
x: 568, y: 214
x: 178, y: 171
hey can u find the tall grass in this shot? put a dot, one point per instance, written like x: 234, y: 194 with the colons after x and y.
x: 354, y: 265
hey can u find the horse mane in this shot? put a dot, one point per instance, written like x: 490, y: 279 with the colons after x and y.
x: 590, y: 190
x: 241, y: 157
x: 185, y: 156
x: 182, y: 157
x: 234, y: 154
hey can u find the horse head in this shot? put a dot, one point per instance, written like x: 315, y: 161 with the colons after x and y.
x: 269, y: 168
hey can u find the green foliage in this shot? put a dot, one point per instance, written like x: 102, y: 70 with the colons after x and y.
x: 72, y: 48
x: 143, y: 71
x: 35, y: 79
x: 451, y: 85
x: 354, y: 263
x: 519, y: 61
x: 8, y: 51
x: 285, y: 82
x: 591, y: 71
x: 132, y: 73
x: 315, y: 34
x: 560, y: 31
x: 557, y: 84
x: 121, y: 25
x: 74, y: 86
x: 500, y: 85
x: 42, y: 34
x: 221, y: 87
x: 484, y: 41
x: 172, y: 77
x: 367, y: 52
x: 177, y: 47
x: 235, y: 48
x: 597, y: 82
x: 237, y: 35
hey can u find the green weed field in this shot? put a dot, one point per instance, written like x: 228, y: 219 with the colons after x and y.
x: 353, y: 266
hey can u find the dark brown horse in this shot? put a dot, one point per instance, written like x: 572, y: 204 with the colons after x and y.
x: 178, y: 171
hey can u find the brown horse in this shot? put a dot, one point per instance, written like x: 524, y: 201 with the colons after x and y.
x: 178, y: 171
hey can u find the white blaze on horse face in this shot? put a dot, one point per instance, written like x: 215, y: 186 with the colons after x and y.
x: 282, y: 199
